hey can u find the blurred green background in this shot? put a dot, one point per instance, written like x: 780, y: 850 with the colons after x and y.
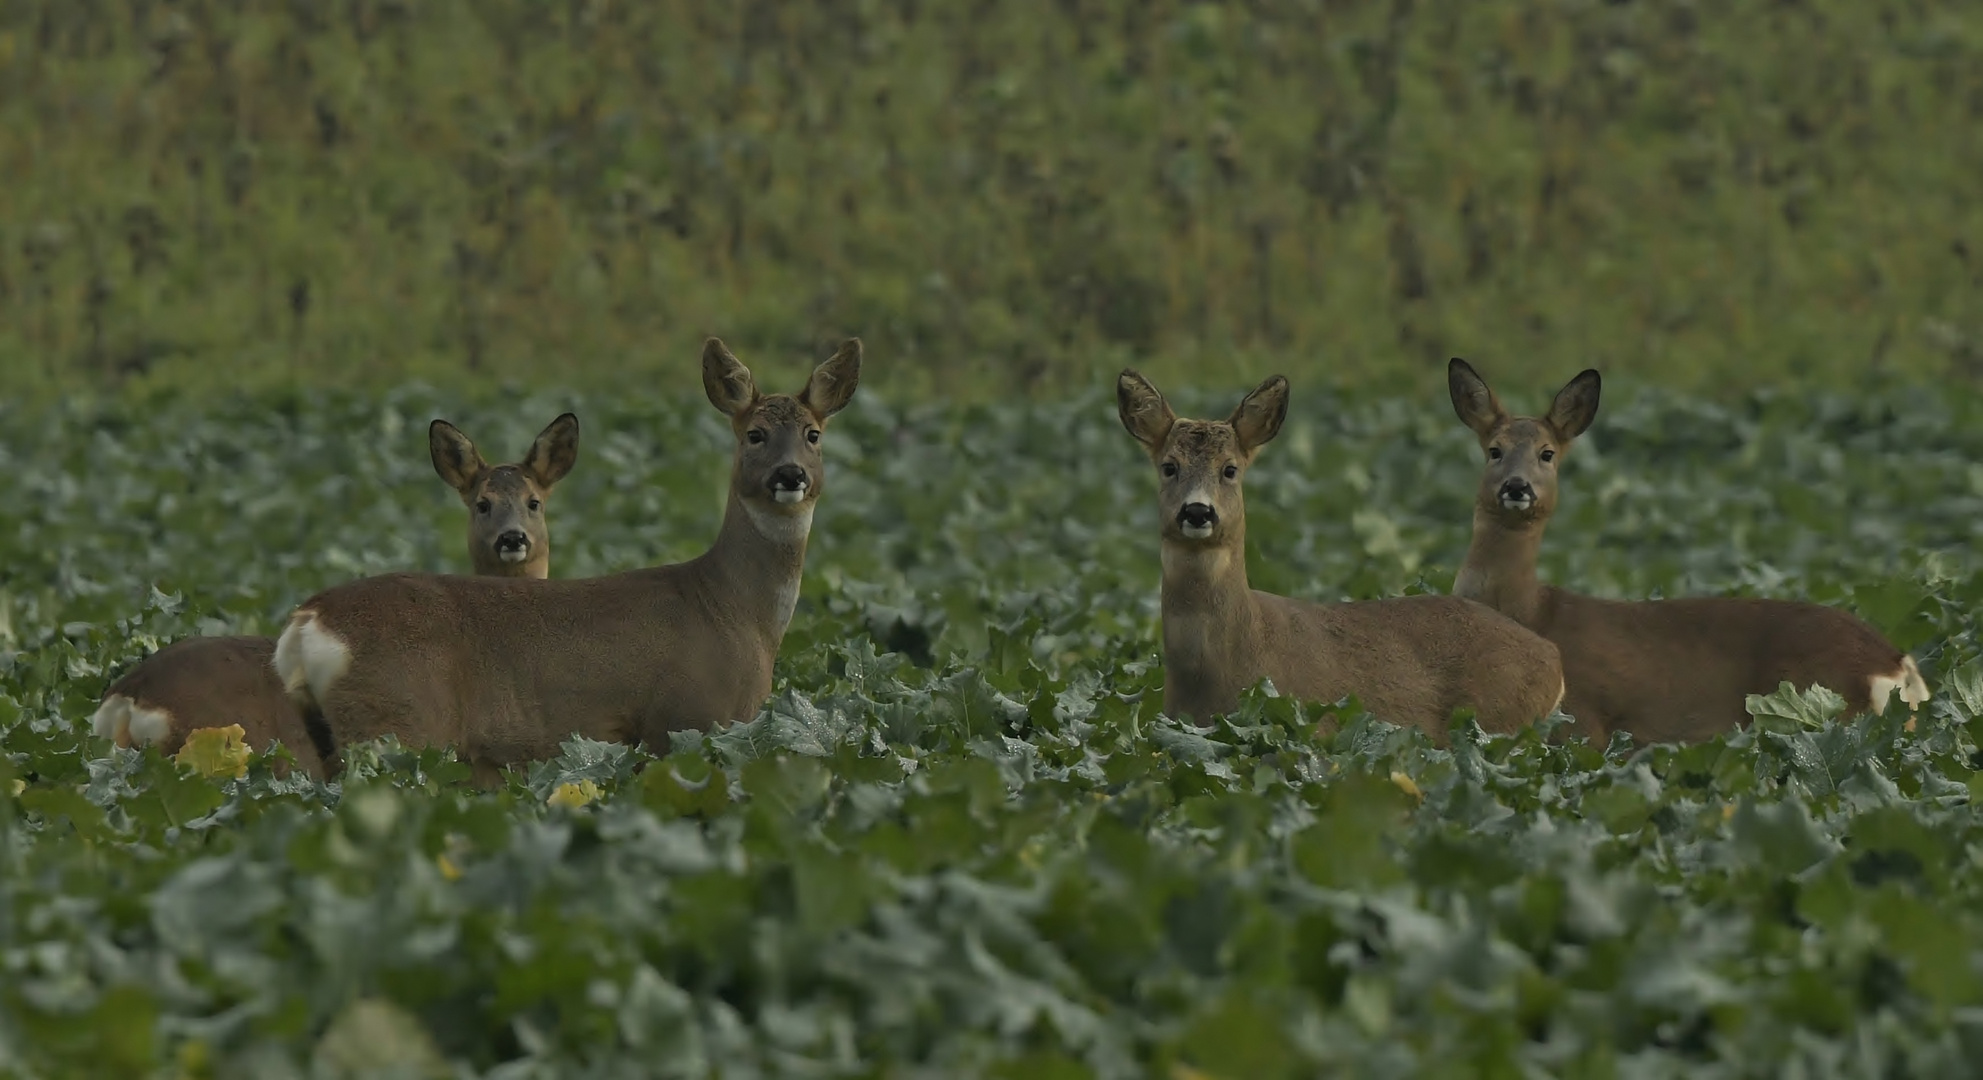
x: 995, y: 195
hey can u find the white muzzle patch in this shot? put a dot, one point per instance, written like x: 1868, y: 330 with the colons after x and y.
x: 1520, y: 503
x: 1196, y: 532
x: 788, y: 496
x: 513, y: 555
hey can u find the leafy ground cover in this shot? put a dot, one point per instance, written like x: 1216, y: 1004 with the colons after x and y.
x: 961, y: 840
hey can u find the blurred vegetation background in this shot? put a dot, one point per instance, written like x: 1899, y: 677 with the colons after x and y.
x: 1023, y: 194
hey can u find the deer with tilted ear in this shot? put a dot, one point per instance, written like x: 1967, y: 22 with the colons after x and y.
x: 1411, y: 660
x: 1664, y: 670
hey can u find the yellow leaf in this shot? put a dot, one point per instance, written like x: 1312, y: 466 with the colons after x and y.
x: 216, y: 752
x: 1186, y: 1072
x: 1407, y: 785
x: 572, y: 796
x: 447, y: 867
x: 20, y: 786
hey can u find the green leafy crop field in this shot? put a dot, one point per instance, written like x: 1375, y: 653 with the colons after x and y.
x: 960, y: 840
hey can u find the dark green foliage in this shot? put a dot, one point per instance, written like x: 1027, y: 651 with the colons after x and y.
x: 960, y: 840
x: 995, y: 195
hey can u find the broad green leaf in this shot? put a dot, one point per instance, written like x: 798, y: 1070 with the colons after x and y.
x: 1810, y: 707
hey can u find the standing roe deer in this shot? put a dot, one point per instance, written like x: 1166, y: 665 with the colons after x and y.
x: 201, y: 682
x: 1410, y: 660
x: 1660, y: 670
x: 506, y: 670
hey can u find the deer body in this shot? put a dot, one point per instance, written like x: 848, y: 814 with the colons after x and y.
x: 1660, y: 670
x: 506, y: 670
x: 206, y: 682
x: 203, y: 682
x: 1410, y: 660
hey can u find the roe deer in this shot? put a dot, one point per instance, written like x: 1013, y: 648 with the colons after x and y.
x: 1410, y: 660
x: 202, y: 682
x: 506, y: 670
x: 1660, y: 670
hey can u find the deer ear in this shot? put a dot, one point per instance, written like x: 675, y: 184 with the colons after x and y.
x: 1473, y: 402
x: 1576, y: 404
x: 833, y: 383
x: 727, y: 381
x: 455, y: 457
x: 554, y: 452
x: 1144, y: 412
x: 1258, y: 418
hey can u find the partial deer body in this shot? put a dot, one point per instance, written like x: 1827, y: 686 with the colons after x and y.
x: 1660, y: 670
x: 506, y: 670
x: 206, y: 682
x: 1409, y: 660
x: 203, y: 682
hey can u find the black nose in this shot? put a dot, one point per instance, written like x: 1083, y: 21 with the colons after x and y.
x: 1197, y: 516
x: 787, y: 478
x: 1517, y: 491
x: 512, y: 540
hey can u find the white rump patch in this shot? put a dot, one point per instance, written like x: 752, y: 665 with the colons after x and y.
x: 113, y: 720
x: 148, y: 726
x: 1908, y: 681
x: 1912, y: 686
x: 1881, y: 690
x: 309, y: 658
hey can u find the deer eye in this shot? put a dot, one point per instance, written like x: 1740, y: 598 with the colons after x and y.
x: 1494, y: 453
x: 1231, y: 471
x: 1169, y: 469
x: 534, y: 505
x: 755, y: 436
x: 1549, y: 455
x: 812, y: 435
x: 481, y: 506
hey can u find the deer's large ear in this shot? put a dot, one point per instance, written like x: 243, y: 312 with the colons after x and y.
x: 726, y: 380
x: 1473, y: 402
x: 1145, y: 413
x: 554, y: 452
x: 833, y: 383
x: 1576, y: 405
x: 1258, y: 418
x: 455, y: 457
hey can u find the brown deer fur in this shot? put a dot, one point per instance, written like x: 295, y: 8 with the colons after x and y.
x: 1660, y: 670
x: 506, y: 670
x: 203, y: 682
x: 1409, y: 660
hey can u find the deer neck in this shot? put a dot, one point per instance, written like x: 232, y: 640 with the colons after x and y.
x: 1499, y: 570
x: 756, y: 563
x: 1211, y: 623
